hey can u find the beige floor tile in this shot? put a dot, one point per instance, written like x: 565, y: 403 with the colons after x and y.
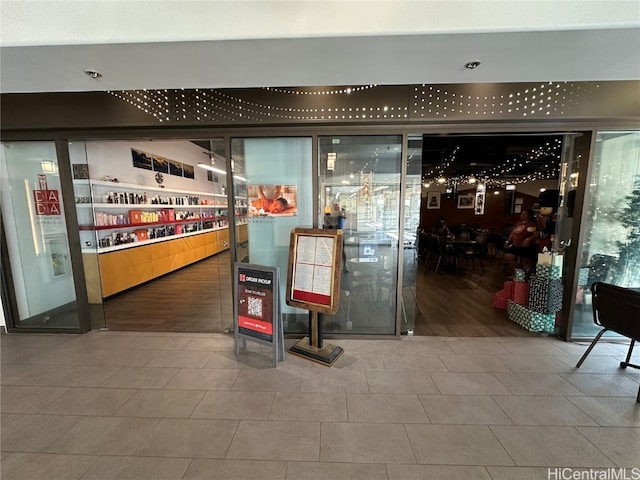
x: 33, y: 433
x: 136, y: 468
x: 438, y: 472
x: 400, y: 382
x: 549, y: 447
x: 474, y: 347
x: 409, y: 363
x: 140, y: 377
x: 354, y: 361
x: 537, y: 384
x: 38, y: 466
x: 596, y: 364
x: 474, y: 363
x: 26, y: 399
x: 244, y: 360
x: 180, y: 359
x: 385, y: 408
x: 161, y: 403
x: 335, y: 471
x: 328, y: 407
x: 271, y: 380
x: 272, y: 440
x: 204, y: 379
x: 464, y: 410
x: 189, y: 438
x: 234, y: 405
x: 541, y: 410
x: 94, y: 357
x: 224, y: 344
x: 365, y: 443
x: 534, y: 364
x: 436, y: 347
x: 522, y: 473
x: 104, y: 436
x: 598, y: 384
x: 56, y: 376
x: 610, y: 411
x: 207, y: 469
x: 90, y: 401
x: 621, y: 445
x: 469, y: 384
x: 96, y: 339
x: 532, y: 346
x: 163, y: 343
x: 334, y: 381
x: 456, y: 445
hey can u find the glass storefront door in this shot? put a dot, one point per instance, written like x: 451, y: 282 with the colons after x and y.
x: 610, y: 237
x: 37, y: 247
x: 359, y: 180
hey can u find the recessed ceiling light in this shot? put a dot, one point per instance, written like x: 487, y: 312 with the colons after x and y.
x: 93, y: 73
x: 472, y: 65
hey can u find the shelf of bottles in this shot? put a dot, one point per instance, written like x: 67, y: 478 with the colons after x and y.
x: 114, y: 216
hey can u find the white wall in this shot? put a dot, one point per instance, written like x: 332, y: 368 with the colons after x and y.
x: 114, y: 159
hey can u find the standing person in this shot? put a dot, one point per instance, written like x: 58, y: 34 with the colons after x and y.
x: 521, y: 247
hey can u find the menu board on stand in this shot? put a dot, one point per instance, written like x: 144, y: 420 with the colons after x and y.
x: 313, y: 283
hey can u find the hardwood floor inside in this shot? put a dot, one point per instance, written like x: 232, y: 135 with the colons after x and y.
x: 198, y: 298
x: 460, y: 303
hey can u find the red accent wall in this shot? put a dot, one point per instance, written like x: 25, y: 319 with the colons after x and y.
x: 493, y: 219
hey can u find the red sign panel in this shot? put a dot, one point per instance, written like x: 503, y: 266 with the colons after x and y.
x: 47, y: 202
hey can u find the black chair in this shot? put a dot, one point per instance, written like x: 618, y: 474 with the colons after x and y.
x: 616, y: 309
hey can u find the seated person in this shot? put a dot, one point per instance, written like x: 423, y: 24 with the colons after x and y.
x: 442, y: 229
x: 275, y: 204
x: 521, y: 249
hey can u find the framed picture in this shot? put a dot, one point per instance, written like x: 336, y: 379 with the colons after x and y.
x: 433, y: 200
x: 479, y: 207
x: 466, y: 201
x: 141, y: 159
x: 160, y: 164
x: 188, y: 171
x: 80, y: 171
x: 175, y: 168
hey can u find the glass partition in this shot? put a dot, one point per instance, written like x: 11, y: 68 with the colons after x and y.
x: 36, y: 236
x: 272, y: 195
x: 610, y: 229
x: 359, y: 181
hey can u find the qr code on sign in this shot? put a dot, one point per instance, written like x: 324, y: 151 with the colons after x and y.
x: 255, y: 307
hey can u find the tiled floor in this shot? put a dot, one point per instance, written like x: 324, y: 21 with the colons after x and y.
x: 125, y: 405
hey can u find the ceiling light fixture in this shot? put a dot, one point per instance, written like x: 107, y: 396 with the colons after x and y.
x: 93, y: 73
x: 472, y: 65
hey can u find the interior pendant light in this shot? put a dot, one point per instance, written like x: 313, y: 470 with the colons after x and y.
x: 472, y: 178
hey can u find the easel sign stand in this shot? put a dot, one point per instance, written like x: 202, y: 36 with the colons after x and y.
x: 313, y: 283
x: 257, y: 308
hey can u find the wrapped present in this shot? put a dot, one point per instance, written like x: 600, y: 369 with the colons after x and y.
x: 548, y: 271
x: 532, y: 321
x: 508, y: 289
x: 545, y: 295
x: 550, y: 258
x: 520, y: 275
x: 500, y: 300
x: 521, y: 293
